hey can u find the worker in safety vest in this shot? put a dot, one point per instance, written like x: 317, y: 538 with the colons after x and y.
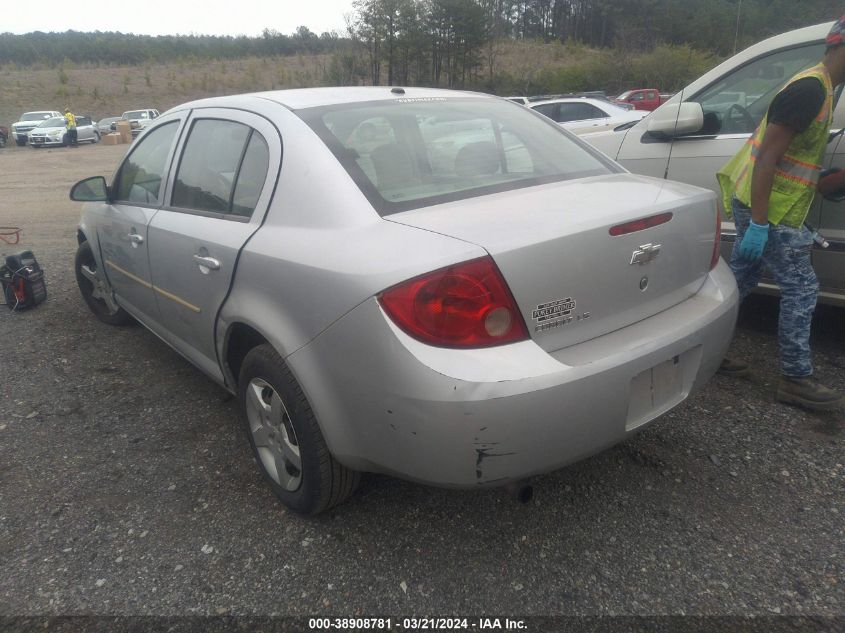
x: 70, y: 123
x: 768, y: 187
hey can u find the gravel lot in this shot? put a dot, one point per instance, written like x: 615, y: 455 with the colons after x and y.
x: 127, y: 485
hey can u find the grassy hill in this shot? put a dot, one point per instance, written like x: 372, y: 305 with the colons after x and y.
x: 507, y: 67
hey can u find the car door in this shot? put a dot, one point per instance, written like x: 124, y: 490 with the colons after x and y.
x: 84, y: 129
x: 581, y: 118
x: 217, y: 198
x: 830, y: 262
x: 733, y: 106
x: 136, y: 194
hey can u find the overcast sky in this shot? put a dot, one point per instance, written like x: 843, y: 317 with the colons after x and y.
x: 159, y: 17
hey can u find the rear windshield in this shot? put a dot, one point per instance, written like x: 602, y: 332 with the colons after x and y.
x: 412, y: 153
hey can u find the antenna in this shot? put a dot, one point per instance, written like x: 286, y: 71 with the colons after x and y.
x: 677, y: 116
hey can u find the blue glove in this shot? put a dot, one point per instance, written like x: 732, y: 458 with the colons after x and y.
x: 754, y: 242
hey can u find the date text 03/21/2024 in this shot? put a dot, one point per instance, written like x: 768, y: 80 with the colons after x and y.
x: 416, y: 624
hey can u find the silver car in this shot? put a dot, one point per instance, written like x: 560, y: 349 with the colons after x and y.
x: 438, y: 285
x: 53, y: 132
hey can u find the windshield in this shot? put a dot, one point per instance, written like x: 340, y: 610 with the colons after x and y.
x: 406, y: 154
x: 35, y: 116
x: 624, y: 95
x: 137, y: 114
x: 56, y: 121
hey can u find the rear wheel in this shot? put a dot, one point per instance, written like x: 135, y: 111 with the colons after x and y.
x: 286, y: 439
x: 94, y: 290
x: 96, y: 138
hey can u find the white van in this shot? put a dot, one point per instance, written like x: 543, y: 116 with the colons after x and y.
x: 696, y: 132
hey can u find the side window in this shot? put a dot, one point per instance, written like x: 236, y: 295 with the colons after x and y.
x: 251, y: 176
x: 637, y: 96
x: 737, y: 103
x: 579, y: 112
x: 547, y: 109
x: 221, y: 169
x: 139, y: 178
x: 651, y: 96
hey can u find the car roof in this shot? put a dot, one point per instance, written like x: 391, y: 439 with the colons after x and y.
x: 591, y: 100
x: 301, y: 98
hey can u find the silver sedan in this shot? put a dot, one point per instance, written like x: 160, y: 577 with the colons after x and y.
x: 442, y: 286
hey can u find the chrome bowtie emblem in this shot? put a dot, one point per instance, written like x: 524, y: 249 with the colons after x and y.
x: 645, y: 253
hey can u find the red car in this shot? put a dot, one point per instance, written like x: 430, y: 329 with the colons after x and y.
x: 643, y: 98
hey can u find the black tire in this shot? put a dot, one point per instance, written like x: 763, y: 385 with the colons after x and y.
x: 2, y: 140
x: 322, y: 481
x: 101, y: 310
x: 20, y: 143
x: 96, y: 138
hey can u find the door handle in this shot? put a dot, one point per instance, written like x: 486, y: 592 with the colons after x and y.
x: 207, y: 262
x: 135, y: 239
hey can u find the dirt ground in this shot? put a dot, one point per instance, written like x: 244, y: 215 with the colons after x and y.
x: 127, y: 486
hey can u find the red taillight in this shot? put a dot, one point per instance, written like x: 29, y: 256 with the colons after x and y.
x: 640, y: 225
x: 714, y: 258
x: 465, y: 305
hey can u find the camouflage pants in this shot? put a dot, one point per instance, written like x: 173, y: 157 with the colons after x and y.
x: 787, y: 256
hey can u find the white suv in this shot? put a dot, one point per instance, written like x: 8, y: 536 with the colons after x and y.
x: 697, y: 131
x: 138, y: 119
x: 27, y: 123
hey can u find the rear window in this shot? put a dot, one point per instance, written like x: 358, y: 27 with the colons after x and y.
x: 406, y: 154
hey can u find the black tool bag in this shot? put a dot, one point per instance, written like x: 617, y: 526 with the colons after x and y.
x: 23, y: 281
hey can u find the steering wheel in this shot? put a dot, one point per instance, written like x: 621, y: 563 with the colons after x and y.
x: 738, y: 120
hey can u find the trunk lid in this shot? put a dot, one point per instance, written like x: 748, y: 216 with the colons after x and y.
x: 572, y: 279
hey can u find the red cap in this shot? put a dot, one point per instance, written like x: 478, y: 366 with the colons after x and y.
x: 836, y: 36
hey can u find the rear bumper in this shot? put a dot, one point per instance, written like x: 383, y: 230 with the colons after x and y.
x: 388, y: 403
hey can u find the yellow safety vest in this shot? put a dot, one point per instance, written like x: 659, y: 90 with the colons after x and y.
x: 70, y: 119
x: 796, y: 173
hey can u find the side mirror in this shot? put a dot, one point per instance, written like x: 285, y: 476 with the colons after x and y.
x: 676, y: 119
x: 92, y: 189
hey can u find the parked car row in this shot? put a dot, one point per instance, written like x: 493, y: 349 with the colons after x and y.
x: 43, y: 128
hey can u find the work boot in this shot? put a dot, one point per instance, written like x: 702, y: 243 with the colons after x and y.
x: 733, y: 368
x: 808, y: 393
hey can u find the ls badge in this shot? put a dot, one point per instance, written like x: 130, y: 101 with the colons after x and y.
x: 645, y: 254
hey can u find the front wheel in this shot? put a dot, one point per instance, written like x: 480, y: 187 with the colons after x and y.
x: 286, y: 439
x: 94, y: 290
